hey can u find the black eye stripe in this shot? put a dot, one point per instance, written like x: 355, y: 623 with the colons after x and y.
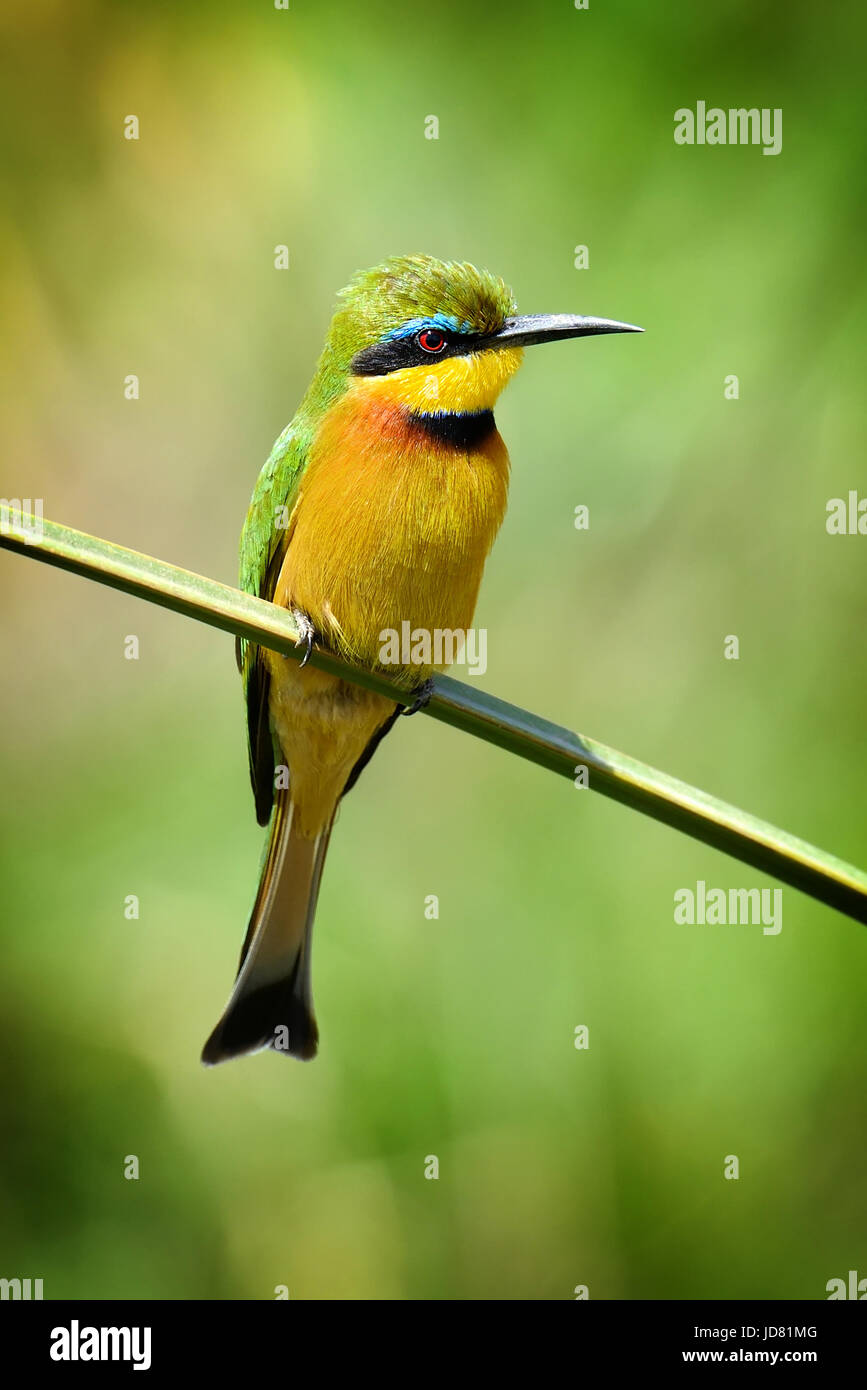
x: 397, y: 353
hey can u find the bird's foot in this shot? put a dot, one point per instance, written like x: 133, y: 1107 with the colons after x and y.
x: 306, y: 634
x: 422, y: 695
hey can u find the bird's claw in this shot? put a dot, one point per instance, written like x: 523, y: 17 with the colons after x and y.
x: 305, y: 634
x: 422, y: 695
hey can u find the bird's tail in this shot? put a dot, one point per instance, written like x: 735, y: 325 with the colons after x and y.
x: 271, y: 1004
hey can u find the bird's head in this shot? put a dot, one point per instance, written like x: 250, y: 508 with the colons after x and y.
x: 435, y: 337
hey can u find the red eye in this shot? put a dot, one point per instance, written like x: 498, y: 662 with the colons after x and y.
x: 432, y: 340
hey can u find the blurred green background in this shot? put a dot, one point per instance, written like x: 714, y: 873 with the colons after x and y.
x: 451, y: 1037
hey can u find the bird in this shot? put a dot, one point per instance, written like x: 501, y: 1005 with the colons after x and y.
x: 378, y: 505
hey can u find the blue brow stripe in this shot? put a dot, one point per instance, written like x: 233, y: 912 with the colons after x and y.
x: 445, y: 322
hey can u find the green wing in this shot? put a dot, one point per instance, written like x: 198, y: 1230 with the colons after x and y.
x: 263, y: 545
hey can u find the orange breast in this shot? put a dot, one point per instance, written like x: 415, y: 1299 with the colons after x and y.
x: 390, y: 526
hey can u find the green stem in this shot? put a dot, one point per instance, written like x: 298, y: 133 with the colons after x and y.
x: 624, y: 779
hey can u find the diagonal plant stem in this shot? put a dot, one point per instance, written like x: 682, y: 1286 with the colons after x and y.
x: 615, y: 775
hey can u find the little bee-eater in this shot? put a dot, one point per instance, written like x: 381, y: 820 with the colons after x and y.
x: 377, y: 507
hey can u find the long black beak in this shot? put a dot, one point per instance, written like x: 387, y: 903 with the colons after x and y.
x: 528, y: 329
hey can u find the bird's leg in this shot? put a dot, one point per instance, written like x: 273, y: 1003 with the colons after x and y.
x: 305, y: 634
x: 422, y: 695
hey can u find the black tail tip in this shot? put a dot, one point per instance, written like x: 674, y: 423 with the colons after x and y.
x: 272, y: 1016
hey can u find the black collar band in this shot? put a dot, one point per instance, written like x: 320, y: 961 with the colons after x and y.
x: 465, y: 431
